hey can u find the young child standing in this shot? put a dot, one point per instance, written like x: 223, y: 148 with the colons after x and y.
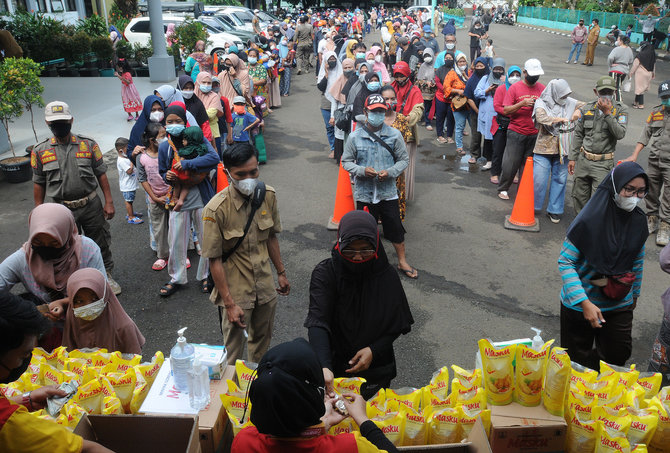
x: 243, y: 121
x: 127, y: 180
x: 157, y: 189
x: 132, y: 103
x: 191, y: 147
x: 489, y: 52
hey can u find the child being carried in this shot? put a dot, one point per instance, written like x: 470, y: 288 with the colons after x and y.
x: 192, y: 146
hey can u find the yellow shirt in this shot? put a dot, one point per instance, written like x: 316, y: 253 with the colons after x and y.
x: 22, y: 432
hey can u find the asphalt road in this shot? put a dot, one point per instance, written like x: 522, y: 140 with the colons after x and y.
x: 476, y: 279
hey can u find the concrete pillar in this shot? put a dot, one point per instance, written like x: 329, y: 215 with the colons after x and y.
x: 81, y: 9
x: 161, y: 65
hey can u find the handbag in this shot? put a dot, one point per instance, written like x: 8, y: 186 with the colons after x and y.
x: 458, y: 102
x: 616, y: 287
x: 343, y: 118
x: 626, y: 85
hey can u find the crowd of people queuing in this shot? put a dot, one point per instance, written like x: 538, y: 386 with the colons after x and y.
x: 374, y: 99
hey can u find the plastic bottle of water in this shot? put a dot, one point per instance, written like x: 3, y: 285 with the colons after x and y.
x: 181, y: 361
x: 198, y: 385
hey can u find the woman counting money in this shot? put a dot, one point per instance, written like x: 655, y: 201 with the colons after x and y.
x: 357, y: 307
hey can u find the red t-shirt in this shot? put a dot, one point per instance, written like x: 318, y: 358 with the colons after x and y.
x: 521, y: 120
x: 227, y: 115
x: 249, y: 440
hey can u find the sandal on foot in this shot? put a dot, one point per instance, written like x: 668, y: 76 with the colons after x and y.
x: 503, y: 195
x: 450, y: 140
x: 169, y: 289
x: 494, y: 180
x: 205, y: 286
x: 135, y: 220
x: 460, y: 152
x: 472, y: 161
x: 159, y: 264
x: 188, y: 263
x: 409, y: 273
x: 441, y: 140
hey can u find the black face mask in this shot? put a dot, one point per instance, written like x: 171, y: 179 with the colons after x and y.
x: 60, y: 129
x: 48, y: 253
x: 332, y: 64
x: 403, y: 82
x: 480, y: 72
x: 449, y: 64
x: 15, y: 374
x: 497, y: 74
x: 532, y: 79
x: 349, y: 73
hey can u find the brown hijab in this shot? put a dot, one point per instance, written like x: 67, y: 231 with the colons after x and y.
x: 210, y: 100
x: 241, y: 74
x: 58, y: 222
x: 113, y: 329
x: 338, y: 86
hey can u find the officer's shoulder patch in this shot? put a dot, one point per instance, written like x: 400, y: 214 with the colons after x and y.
x: 33, y: 159
x: 622, y: 119
x: 48, y: 155
x: 97, y: 152
x: 75, y: 139
x: 53, y: 140
x: 589, y: 113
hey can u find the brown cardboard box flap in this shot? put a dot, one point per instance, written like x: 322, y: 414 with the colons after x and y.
x: 477, y: 442
x: 133, y: 433
x: 537, y: 413
x: 520, y: 429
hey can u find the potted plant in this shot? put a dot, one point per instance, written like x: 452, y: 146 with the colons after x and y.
x: 76, y: 46
x: 102, y: 47
x: 18, y: 87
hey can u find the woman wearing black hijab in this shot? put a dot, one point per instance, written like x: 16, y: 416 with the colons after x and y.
x: 601, y: 267
x: 290, y: 412
x: 371, y: 85
x: 193, y: 103
x: 357, y: 307
x: 643, y: 72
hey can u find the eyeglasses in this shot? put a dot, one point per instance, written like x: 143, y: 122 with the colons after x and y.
x: 630, y: 191
x: 365, y: 253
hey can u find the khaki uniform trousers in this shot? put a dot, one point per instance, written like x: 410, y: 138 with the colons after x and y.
x: 590, y: 53
x: 304, y: 53
x: 260, y: 322
x: 588, y: 176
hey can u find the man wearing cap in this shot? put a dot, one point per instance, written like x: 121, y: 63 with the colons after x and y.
x: 304, y: 38
x: 521, y: 132
x: 375, y: 155
x: 591, y: 42
x: 578, y: 36
x: 613, y: 35
x: 656, y: 135
x: 591, y: 158
x: 429, y: 40
x: 69, y: 168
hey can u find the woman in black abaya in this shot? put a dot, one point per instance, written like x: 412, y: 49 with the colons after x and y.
x: 357, y: 307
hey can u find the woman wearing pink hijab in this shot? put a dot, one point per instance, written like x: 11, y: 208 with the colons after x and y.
x: 53, y: 251
x: 95, y: 318
x: 374, y: 56
x: 211, y: 101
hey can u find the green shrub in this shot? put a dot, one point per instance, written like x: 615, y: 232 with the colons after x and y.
x: 142, y: 53
x: 35, y: 34
x: 93, y: 26
x: 223, y: 2
x: 124, y: 49
x: 188, y: 33
x: 76, y: 45
x: 102, y: 47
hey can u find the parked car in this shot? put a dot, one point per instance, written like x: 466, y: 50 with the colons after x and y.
x: 246, y: 15
x: 226, y: 25
x: 138, y: 31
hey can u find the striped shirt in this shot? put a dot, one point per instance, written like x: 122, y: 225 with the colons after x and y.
x: 14, y: 269
x: 577, y: 275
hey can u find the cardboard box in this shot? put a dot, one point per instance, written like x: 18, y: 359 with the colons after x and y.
x: 516, y: 429
x: 213, y: 357
x: 133, y: 433
x: 476, y: 443
x: 213, y: 421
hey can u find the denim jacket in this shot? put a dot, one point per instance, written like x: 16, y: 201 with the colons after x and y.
x: 362, y: 151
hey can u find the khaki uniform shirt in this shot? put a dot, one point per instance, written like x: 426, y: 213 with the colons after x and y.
x: 247, y: 270
x: 656, y: 134
x: 599, y: 133
x: 70, y: 171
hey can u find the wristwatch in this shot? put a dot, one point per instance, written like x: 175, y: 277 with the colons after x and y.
x: 27, y: 401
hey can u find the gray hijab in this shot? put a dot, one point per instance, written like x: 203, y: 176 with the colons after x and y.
x: 169, y: 94
x: 427, y: 70
x: 550, y: 101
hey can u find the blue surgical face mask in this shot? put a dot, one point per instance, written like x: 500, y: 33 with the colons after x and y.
x: 666, y: 102
x: 376, y: 119
x: 360, y: 55
x: 374, y: 86
x: 253, y: 60
x: 175, y: 129
x: 205, y: 88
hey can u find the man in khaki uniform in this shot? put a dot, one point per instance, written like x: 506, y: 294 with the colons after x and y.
x: 656, y: 135
x: 69, y: 168
x: 244, y: 288
x: 304, y: 42
x: 591, y: 158
x: 592, y: 42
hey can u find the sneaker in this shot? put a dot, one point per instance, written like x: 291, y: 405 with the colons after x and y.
x: 503, y: 195
x: 555, y: 218
x: 576, y: 62
x: 487, y: 166
x: 663, y: 235
x: 567, y: 61
x: 652, y: 223
x: 135, y: 220
x: 116, y: 288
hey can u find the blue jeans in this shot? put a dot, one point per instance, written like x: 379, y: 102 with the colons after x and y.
x: 330, y: 130
x: 545, y: 167
x: 578, y: 47
x: 460, y: 118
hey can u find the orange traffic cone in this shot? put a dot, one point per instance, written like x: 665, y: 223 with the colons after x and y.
x: 221, y: 179
x: 344, y: 199
x: 523, y: 213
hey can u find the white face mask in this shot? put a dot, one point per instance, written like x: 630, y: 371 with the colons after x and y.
x: 161, y: 140
x: 187, y: 94
x: 427, y: 59
x: 156, y: 117
x: 451, y: 45
x: 513, y: 79
x: 462, y: 67
x: 93, y: 310
x: 378, y: 58
x: 244, y: 186
x: 625, y: 203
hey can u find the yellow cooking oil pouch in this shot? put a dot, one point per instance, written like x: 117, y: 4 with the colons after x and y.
x: 613, y: 420
x: 530, y: 366
x: 608, y: 441
x: 348, y: 385
x: 650, y: 382
x: 556, y: 381
x: 497, y: 364
x: 625, y: 376
x: 642, y: 426
x: 472, y: 398
x: 467, y: 420
x: 443, y: 425
x: 469, y: 378
x: 414, y: 427
x: 124, y: 385
x: 581, y: 433
x: 581, y: 405
x: 246, y: 372
x: 430, y: 398
x: 391, y: 425
x: 408, y: 396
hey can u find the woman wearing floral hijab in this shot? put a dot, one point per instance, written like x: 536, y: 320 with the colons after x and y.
x: 198, y: 61
x: 210, y: 100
